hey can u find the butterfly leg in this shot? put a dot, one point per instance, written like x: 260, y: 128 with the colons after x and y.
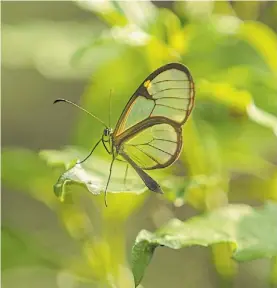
x: 104, y: 144
x: 90, y: 152
x: 125, y: 175
x: 111, y: 167
x: 147, y: 179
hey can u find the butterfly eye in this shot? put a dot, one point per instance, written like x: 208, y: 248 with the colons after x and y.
x: 106, y: 132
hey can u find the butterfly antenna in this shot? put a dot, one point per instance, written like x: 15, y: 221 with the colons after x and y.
x: 74, y: 104
x: 110, y: 107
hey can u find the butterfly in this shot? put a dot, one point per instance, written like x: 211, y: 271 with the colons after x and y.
x: 148, y: 134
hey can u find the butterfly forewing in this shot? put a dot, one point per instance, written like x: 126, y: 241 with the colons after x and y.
x: 154, y: 147
x: 171, y: 91
x: 140, y: 110
x: 168, y: 92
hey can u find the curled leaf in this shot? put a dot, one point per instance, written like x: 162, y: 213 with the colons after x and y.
x: 92, y: 174
x: 78, y: 175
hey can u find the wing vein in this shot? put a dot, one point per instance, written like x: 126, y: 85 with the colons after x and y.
x: 148, y: 155
x: 173, y: 88
x: 136, y: 158
x: 160, y: 149
x: 158, y: 130
x: 167, y: 97
x: 135, y: 145
x: 179, y: 109
x: 166, y: 140
x: 170, y: 80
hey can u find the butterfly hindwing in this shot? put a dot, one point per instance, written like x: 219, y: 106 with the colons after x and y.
x: 155, y: 146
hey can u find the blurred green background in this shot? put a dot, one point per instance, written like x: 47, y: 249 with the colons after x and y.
x: 81, y: 50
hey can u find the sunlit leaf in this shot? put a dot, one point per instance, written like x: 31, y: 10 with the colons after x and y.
x: 260, y: 83
x: 263, y: 39
x: 141, y: 14
x: 196, y: 11
x: 169, y: 39
x: 238, y: 99
x: 107, y: 10
x: 100, y: 50
x: 252, y: 233
x: 226, y: 94
x: 119, y: 13
x: 23, y: 170
x: 221, y: 37
x: 262, y: 117
x: 93, y: 175
x: 207, y: 185
x: 110, y: 44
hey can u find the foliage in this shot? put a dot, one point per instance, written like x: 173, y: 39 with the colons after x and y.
x: 248, y: 230
x: 229, y: 142
x: 23, y: 251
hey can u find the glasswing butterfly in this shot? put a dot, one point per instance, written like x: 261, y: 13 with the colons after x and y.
x: 148, y: 134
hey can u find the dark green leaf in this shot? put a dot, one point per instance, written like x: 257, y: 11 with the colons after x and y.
x: 141, y: 255
x: 251, y: 232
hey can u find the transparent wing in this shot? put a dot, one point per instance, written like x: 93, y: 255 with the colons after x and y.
x: 168, y: 92
x: 154, y: 147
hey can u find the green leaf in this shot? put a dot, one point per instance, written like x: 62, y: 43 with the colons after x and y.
x: 262, y: 117
x: 251, y: 232
x: 23, y: 170
x: 141, y: 255
x: 107, y: 10
x: 140, y: 14
x: 120, y: 13
x: 224, y: 47
x: 18, y: 249
x: 92, y: 174
x: 263, y: 39
x: 226, y: 93
x: 109, y: 45
x: 238, y: 99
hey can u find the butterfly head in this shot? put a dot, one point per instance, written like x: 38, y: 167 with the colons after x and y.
x: 107, y: 132
x: 107, y: 138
